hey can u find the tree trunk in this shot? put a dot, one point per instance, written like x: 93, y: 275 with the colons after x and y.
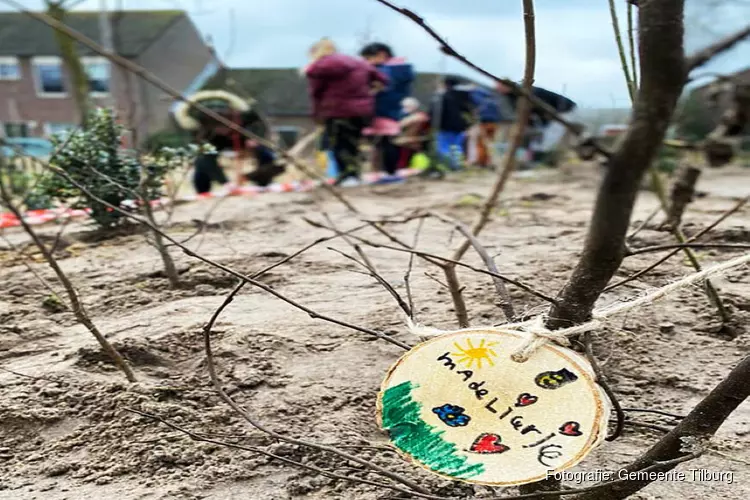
x: 699, y: 424
x: 663, y: 75
x: 683, y: 191
x: 72, y: 63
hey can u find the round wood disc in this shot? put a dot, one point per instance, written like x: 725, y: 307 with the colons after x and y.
x: 459, y: 406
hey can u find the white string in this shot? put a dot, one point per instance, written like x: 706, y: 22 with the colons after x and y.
x: 536, y: 334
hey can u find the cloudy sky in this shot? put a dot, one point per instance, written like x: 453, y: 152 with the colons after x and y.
x: 576, y: 51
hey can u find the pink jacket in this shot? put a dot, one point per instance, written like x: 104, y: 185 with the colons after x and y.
x: 341, y: 86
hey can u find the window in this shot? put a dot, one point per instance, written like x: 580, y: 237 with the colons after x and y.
x: 288, y: 135
x: 9, y: 68
x: 18, y: 129
x: 97, y: 69
x: 48, y: 76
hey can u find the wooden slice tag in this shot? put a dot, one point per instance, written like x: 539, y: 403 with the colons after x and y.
x: 458, y: 406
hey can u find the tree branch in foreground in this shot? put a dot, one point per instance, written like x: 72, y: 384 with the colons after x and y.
x: 76, y: 305
x: 662, y: 80
x: 703, y: 56
x: 520, y: 90
x: 700, y: 424
x: 255, y: 449
x: 143, y: 221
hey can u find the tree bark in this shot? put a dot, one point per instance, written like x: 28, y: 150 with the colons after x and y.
x: 72, y: 63
x: 663, y: 74
x: 683, y: 192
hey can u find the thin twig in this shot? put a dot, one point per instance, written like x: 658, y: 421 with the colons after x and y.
x: 31, y: 377
x: 655, y: 412
x: 703, y: 56
x: 371, y: 272
x: 435, y: 279
x: 656, y: 264
x: 646, y: 425
x: 506, y: 303
x: 407, y: 275
x: 438, y: 260
x: 602, y: 381
x: 520, y: 90
x: 660, y: 248
x: 76, y: 305
x: 141, y: 220
x: 621, y: 50
x: 254, y: 449
x: 643, y: 224
x: 251, y: 420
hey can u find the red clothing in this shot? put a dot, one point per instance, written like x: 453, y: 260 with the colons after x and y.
x: 341, y: 86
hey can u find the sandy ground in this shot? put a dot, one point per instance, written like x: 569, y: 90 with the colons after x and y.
x: 65, y: 432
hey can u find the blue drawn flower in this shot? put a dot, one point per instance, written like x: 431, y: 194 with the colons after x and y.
x: 451, y: 415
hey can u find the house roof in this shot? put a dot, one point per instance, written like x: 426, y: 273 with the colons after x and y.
x: 742, y: 75
x: 21, y: 35
x: 283, y: 91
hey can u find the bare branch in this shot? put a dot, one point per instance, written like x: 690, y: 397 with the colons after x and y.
x: 662, y: 80
x: 440, y: 260
x: 143, y: 221
x: 448, y: 50
x: 407, y: 275
x: 254, y: 449
x: 251, y: 420
x: 703, y: 56
x: 698, y: 426
x: 602, y: 381
x: 506, y: 303
x: 656, y: 412
x: 371, y: 272
x: 660, y: 248
x: 76, y: 305
x: 656, y: 264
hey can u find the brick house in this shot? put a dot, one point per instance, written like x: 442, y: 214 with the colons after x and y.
x: 282, y: 95
x: 35, y: 97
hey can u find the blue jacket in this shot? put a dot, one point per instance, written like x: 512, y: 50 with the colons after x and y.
x: 400, y: 77
x: 487, y: 105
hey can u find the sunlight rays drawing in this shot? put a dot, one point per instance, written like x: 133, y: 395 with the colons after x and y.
x: 469, y: 355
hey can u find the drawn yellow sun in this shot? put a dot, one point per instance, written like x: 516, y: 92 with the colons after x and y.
x: 468, y: 355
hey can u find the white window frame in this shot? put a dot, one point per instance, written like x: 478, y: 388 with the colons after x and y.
x: 99, y: 60
x: 10, y: 60
x: 40, y: 60
x: 48, y: 128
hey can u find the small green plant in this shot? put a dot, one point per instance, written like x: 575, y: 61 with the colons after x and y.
x: 94, y: 157
x: 667, y: 160
x: 167, y: 138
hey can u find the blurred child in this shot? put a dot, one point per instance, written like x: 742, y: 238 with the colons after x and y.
x: 453, y: 113
x: 415, y: 131
x: 340, y: 89
x: 388, y: 100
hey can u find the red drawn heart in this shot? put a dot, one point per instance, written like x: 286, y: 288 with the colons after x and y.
x: 526, y: 399
x: 571, y: 429
x: 488, y: 443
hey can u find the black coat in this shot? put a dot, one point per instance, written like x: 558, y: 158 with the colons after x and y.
x: 224, y: 139
x: 560, y: 103
x: 457, y: 110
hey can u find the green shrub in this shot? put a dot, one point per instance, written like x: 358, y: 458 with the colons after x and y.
x: 167, y: 138
x: 95, y: 159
